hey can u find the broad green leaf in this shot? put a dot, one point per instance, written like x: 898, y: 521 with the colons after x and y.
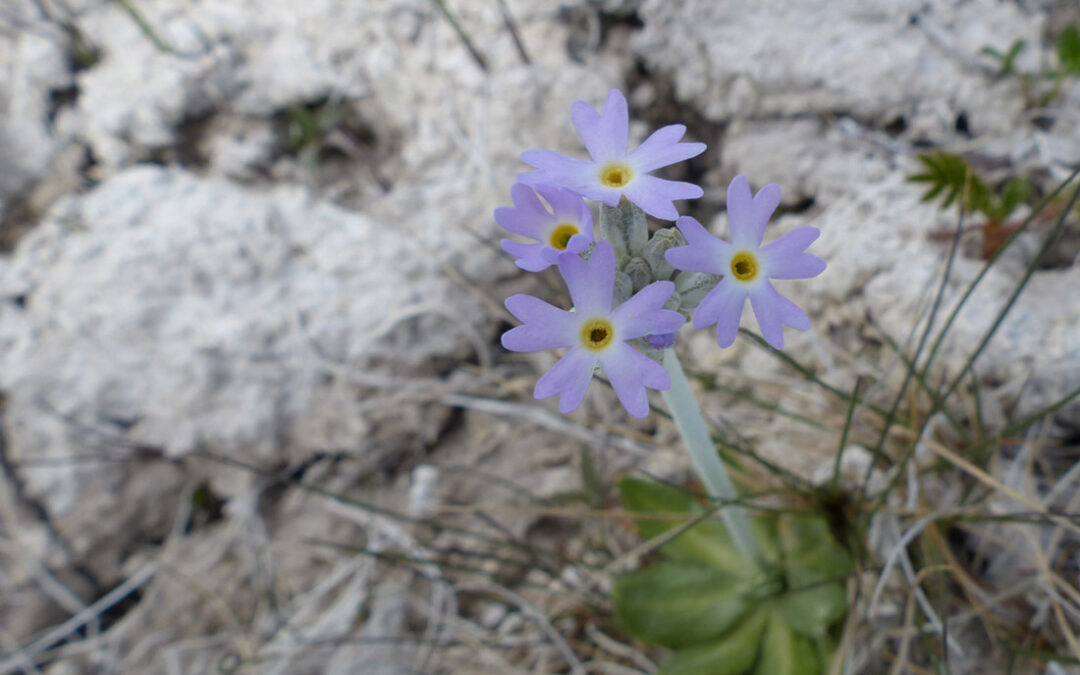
x: 825, y: 646
x: 1068, y: 48
x: 733, y: 654
x: 785, y: 653
x: 815, y: 565
x: 811, y: 554
x: 706, y: 542
x: 675, y: 604
x: 765, y: 531
x: 812, y: 610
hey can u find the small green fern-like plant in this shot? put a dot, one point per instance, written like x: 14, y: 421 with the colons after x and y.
x: 955, y: 181
x: 1041, y: 88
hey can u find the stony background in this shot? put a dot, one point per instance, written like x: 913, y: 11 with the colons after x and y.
x: 207, y: 313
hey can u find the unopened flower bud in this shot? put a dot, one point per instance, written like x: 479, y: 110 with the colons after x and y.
x: 624, y: 288
x: 693, y: 286
x: 674, y: 302
x: 625, y: 227
x: 640, y: 273
x: 660, y: 242
x: 661, y: 341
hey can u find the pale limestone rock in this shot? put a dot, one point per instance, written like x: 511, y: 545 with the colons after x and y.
x: 874, y: 61
x: 163, y: 315
x: 33, y: 69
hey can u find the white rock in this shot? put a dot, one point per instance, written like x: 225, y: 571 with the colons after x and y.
x: 34, y: 65
x: 812, y: 57
x: 181, y: 314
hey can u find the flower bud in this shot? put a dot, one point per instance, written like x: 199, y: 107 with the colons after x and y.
x: 693, y: 286
x: 625, y: 227
x: 661, y: 341
x: 640, y: 273
x: 674, y: 302
x: 624, y: 288
x: 654, y: 251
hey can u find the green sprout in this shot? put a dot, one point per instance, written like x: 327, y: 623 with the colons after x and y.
x: 1005, y: 60
x: 1043, y: 87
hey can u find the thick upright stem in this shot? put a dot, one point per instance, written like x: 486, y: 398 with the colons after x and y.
x: 687, y: 414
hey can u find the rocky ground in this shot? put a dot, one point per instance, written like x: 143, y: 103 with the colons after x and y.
x: 251, y: 294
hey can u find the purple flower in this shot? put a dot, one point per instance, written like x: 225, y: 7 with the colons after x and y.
x: 747, y: 266
x: 613, y: 172
x: 595, y: 333
x: 567, y: 227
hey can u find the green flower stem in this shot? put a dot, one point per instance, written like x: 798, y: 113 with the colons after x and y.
x: 684, y: 408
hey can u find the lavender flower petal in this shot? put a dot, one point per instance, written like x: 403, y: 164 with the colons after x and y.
x: 530, y: 257
x: 526, y: 201
x: 662, y: 149
x: 531, y: 218
x: 544, y: 326
x: 768, y: 315
x: 570, y: 377
x: 784, y: 258
x: 661, y: 340
x: 703, y: 252
x: 527, y: 217
x: 658, y: 140
x: 794, y: 241
x: 591, y: 283
x: 722, y: 306
x: 605, y: 137
x: 642, y: 313
x: 557, y: 169
x: 797, y: 266
x: 655, y: 195
x: 614, y: 127
x: 790, y: 313
x: 567, y: 205
x: 579, y: 242
x: 748, y: 215
x: 630, y: 372
x: 604, y: 133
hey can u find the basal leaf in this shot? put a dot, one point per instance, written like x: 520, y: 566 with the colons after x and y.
x: 706, y: 542
x: 785, y: 653
x: 733, y: 654
x: 810, y: 611
x: 811, y: 554
x: 676, y: 604
x: 815, y: 566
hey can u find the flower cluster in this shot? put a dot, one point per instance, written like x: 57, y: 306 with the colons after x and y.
x: 632, y: 291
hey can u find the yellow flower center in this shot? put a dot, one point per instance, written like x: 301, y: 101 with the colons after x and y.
x: 616, y: 175
x: 597, y: 334
x: 744, y: 266
x: 561, y: 235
